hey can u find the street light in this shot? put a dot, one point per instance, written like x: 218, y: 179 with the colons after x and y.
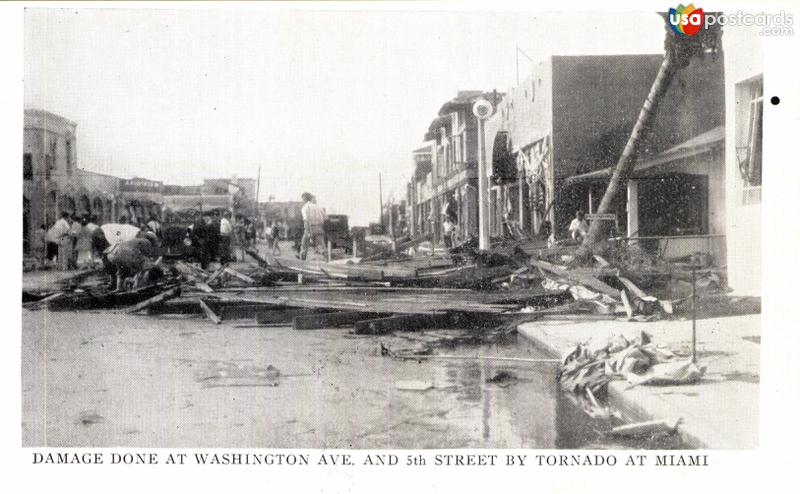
x: 482, y: 109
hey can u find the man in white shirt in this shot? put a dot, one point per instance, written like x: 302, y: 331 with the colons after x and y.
x: 59, y: 234
x: 225, y: 234
x: 313, y: 221
x: 579, y: 227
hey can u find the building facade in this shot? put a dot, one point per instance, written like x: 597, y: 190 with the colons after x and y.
x: 554, y: 138
x: 744, y: 109
x: 52, y: 181
x: 446, y: 169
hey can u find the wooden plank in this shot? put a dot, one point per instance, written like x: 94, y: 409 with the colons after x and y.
x: 330, y: 319
x: 216, y: 274
x: 404, y: 322
x: 209, y: 312
x: 577, y: 276
x: 260, y: 260
x: 203, y: 286
x: 635, y: 290
x: 239, y: 275
x: 161, y: 297
x: 284, y: 316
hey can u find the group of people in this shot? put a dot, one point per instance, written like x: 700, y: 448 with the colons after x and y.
x: 215, y: 236
x: 71, y: 242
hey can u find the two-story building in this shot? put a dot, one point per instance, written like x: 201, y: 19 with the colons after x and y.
x: 446, y: 168
x: 555, y: 138
x: 52, y: 181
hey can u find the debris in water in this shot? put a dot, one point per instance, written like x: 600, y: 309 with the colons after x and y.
x: 503, y: 378
x: 90, y: 418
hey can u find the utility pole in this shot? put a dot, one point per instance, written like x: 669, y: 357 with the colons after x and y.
x: 258, y: 189
x: 380, y: 197
x: 482, y: 109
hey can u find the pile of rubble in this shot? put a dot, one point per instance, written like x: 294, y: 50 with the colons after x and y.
x: 394, y: 291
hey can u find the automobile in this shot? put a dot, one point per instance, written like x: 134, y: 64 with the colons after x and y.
x: 337, y: 232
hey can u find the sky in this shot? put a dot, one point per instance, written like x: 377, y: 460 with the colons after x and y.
x: 323, y: 102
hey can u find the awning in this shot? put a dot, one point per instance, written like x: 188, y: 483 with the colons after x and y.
x: 703, y: 143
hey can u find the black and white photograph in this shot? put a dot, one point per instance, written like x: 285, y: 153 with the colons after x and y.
x: 287, y: 228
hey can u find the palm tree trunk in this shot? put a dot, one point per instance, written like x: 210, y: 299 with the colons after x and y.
x: 625, y: 165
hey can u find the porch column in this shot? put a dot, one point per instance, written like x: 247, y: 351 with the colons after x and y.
x: 633, y: 207
x: 521, y: 200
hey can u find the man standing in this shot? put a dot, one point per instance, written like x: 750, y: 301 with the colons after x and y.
x: 579, y: 227
x: 213, y: 236
x: 225, y: 234
x: 199, y: 239
x: 58, y: 235
x: 313, y: 220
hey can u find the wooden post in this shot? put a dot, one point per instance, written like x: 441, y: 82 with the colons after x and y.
x: 209, y: 312
x: 161, y: 297
x: 330, y: 319
x: 402, y: 322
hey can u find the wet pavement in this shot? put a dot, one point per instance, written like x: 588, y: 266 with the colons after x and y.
x: 107, y: 379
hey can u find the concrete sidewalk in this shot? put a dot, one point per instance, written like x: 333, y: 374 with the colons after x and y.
x: 719, y: 412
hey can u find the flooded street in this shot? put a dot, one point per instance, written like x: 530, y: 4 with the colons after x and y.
x: 104, y: 379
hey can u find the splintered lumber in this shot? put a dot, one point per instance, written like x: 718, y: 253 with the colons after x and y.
x: 260, y: 260
x: 579, y: 276
x: 209, y: 312
x: 404, y: 322
x: 161, y: 297
x: 648, y: 429
x: 239, y: 275
x: 216, y: 274
x: 192, y: 272
x: 330, y: 319
x: 366, y: 272
x: 203, y: 286
x: 635, y: 290
x: 483, y: 357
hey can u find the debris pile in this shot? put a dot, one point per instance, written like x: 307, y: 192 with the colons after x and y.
x: 395, y: 289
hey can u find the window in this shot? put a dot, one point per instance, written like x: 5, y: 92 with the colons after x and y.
x: 750, y: 99
x: 50, y: 158
x: 69, y: 155
x: 27, y: 166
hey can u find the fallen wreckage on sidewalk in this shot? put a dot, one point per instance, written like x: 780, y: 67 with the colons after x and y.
x: 394, y: 292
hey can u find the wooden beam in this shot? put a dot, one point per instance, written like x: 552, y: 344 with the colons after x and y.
x: 330, y: 319
x: 160, y: 298
x: 216, y: 274
x: 239, y: 275
x: 404, y: 322
x: 209, y: 312
x: 284, y: 316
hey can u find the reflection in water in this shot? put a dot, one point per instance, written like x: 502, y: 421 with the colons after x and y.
x: 527, y: 411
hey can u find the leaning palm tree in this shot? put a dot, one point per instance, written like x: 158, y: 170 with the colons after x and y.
x: 679, y: 51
